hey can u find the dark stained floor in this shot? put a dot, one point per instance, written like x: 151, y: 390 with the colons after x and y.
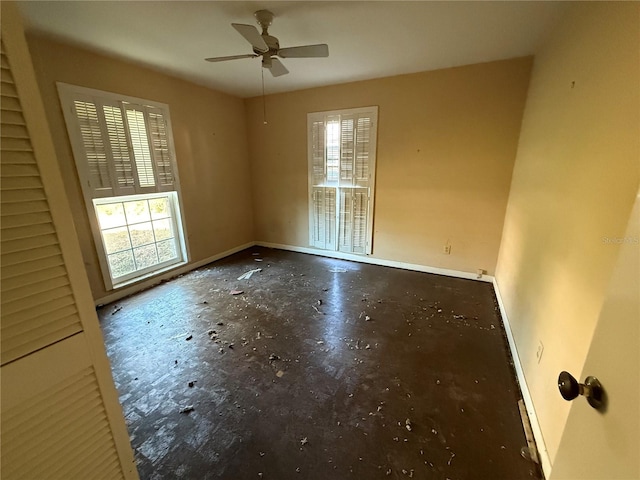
x: 320, y: 369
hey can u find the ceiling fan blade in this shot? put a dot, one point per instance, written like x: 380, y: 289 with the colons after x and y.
x: 231, y: 57
x: 277, y: 68
x: 305, y: 51
x: 251, y: 35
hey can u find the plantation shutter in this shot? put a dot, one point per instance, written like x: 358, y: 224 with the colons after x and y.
x: 354, y: 203
x: 160, y: 149
x: 60, y: 417
x: 318, y: 172
x: 322, y: 198
x: 324, y: 217
x: 138, y: 134
x: 355, y: 177
x: 346, y: 150
x: 121, y: 148
x: 349, y: 137
x: 97, y: 170
x: 120, y: 153
x: 363, y: 160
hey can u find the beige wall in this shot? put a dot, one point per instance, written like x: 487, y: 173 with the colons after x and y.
x: 574, y: 183
x: 447, y: 141
x: 210, y: 140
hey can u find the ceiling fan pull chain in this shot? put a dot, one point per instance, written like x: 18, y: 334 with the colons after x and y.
x: 264, y: 103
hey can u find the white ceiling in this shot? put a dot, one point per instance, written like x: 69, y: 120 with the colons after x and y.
x: 367, y: 39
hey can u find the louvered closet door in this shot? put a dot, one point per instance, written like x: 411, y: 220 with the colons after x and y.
x: 54, y: 424
x: 60, y: 416
x: 38, y: 307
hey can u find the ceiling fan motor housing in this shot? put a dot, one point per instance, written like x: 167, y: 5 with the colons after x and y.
x: 272, y: 43
x: 265, y: 19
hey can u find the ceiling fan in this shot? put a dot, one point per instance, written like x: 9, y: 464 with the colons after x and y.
x: 267, y: 47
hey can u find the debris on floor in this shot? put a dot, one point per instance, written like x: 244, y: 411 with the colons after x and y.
x: 189, y: 337
x: 247, y: 275
x: 258, y: 259
x: 237, y: 292
x: 116, y: 309
x: 337, y: 365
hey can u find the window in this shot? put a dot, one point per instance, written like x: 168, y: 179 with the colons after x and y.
x: 124, y: 155
x: 342, y: 152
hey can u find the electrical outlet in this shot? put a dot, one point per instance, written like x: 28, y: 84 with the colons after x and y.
x: 446, y: 250
x: 539, y: 351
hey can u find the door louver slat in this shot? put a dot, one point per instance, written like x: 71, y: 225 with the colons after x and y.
x: 21, y: 281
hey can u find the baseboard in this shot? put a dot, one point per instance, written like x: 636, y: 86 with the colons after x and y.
x: 545, y: 461
x: 378, y: 261
x: 144, y: 284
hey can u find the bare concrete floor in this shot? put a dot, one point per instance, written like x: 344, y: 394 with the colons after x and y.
x: 320, y: 369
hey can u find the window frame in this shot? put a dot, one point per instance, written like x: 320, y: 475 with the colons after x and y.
x: 336, y: 185
x: 68, y: 94
x: 175, y: 219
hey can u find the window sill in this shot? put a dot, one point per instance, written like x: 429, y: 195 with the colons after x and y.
x: 149, y: 275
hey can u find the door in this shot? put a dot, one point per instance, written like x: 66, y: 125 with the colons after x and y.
x: 59, y: 417
x: 605, y: 445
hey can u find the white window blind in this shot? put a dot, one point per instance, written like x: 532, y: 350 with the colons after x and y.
x: 342, y: 150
